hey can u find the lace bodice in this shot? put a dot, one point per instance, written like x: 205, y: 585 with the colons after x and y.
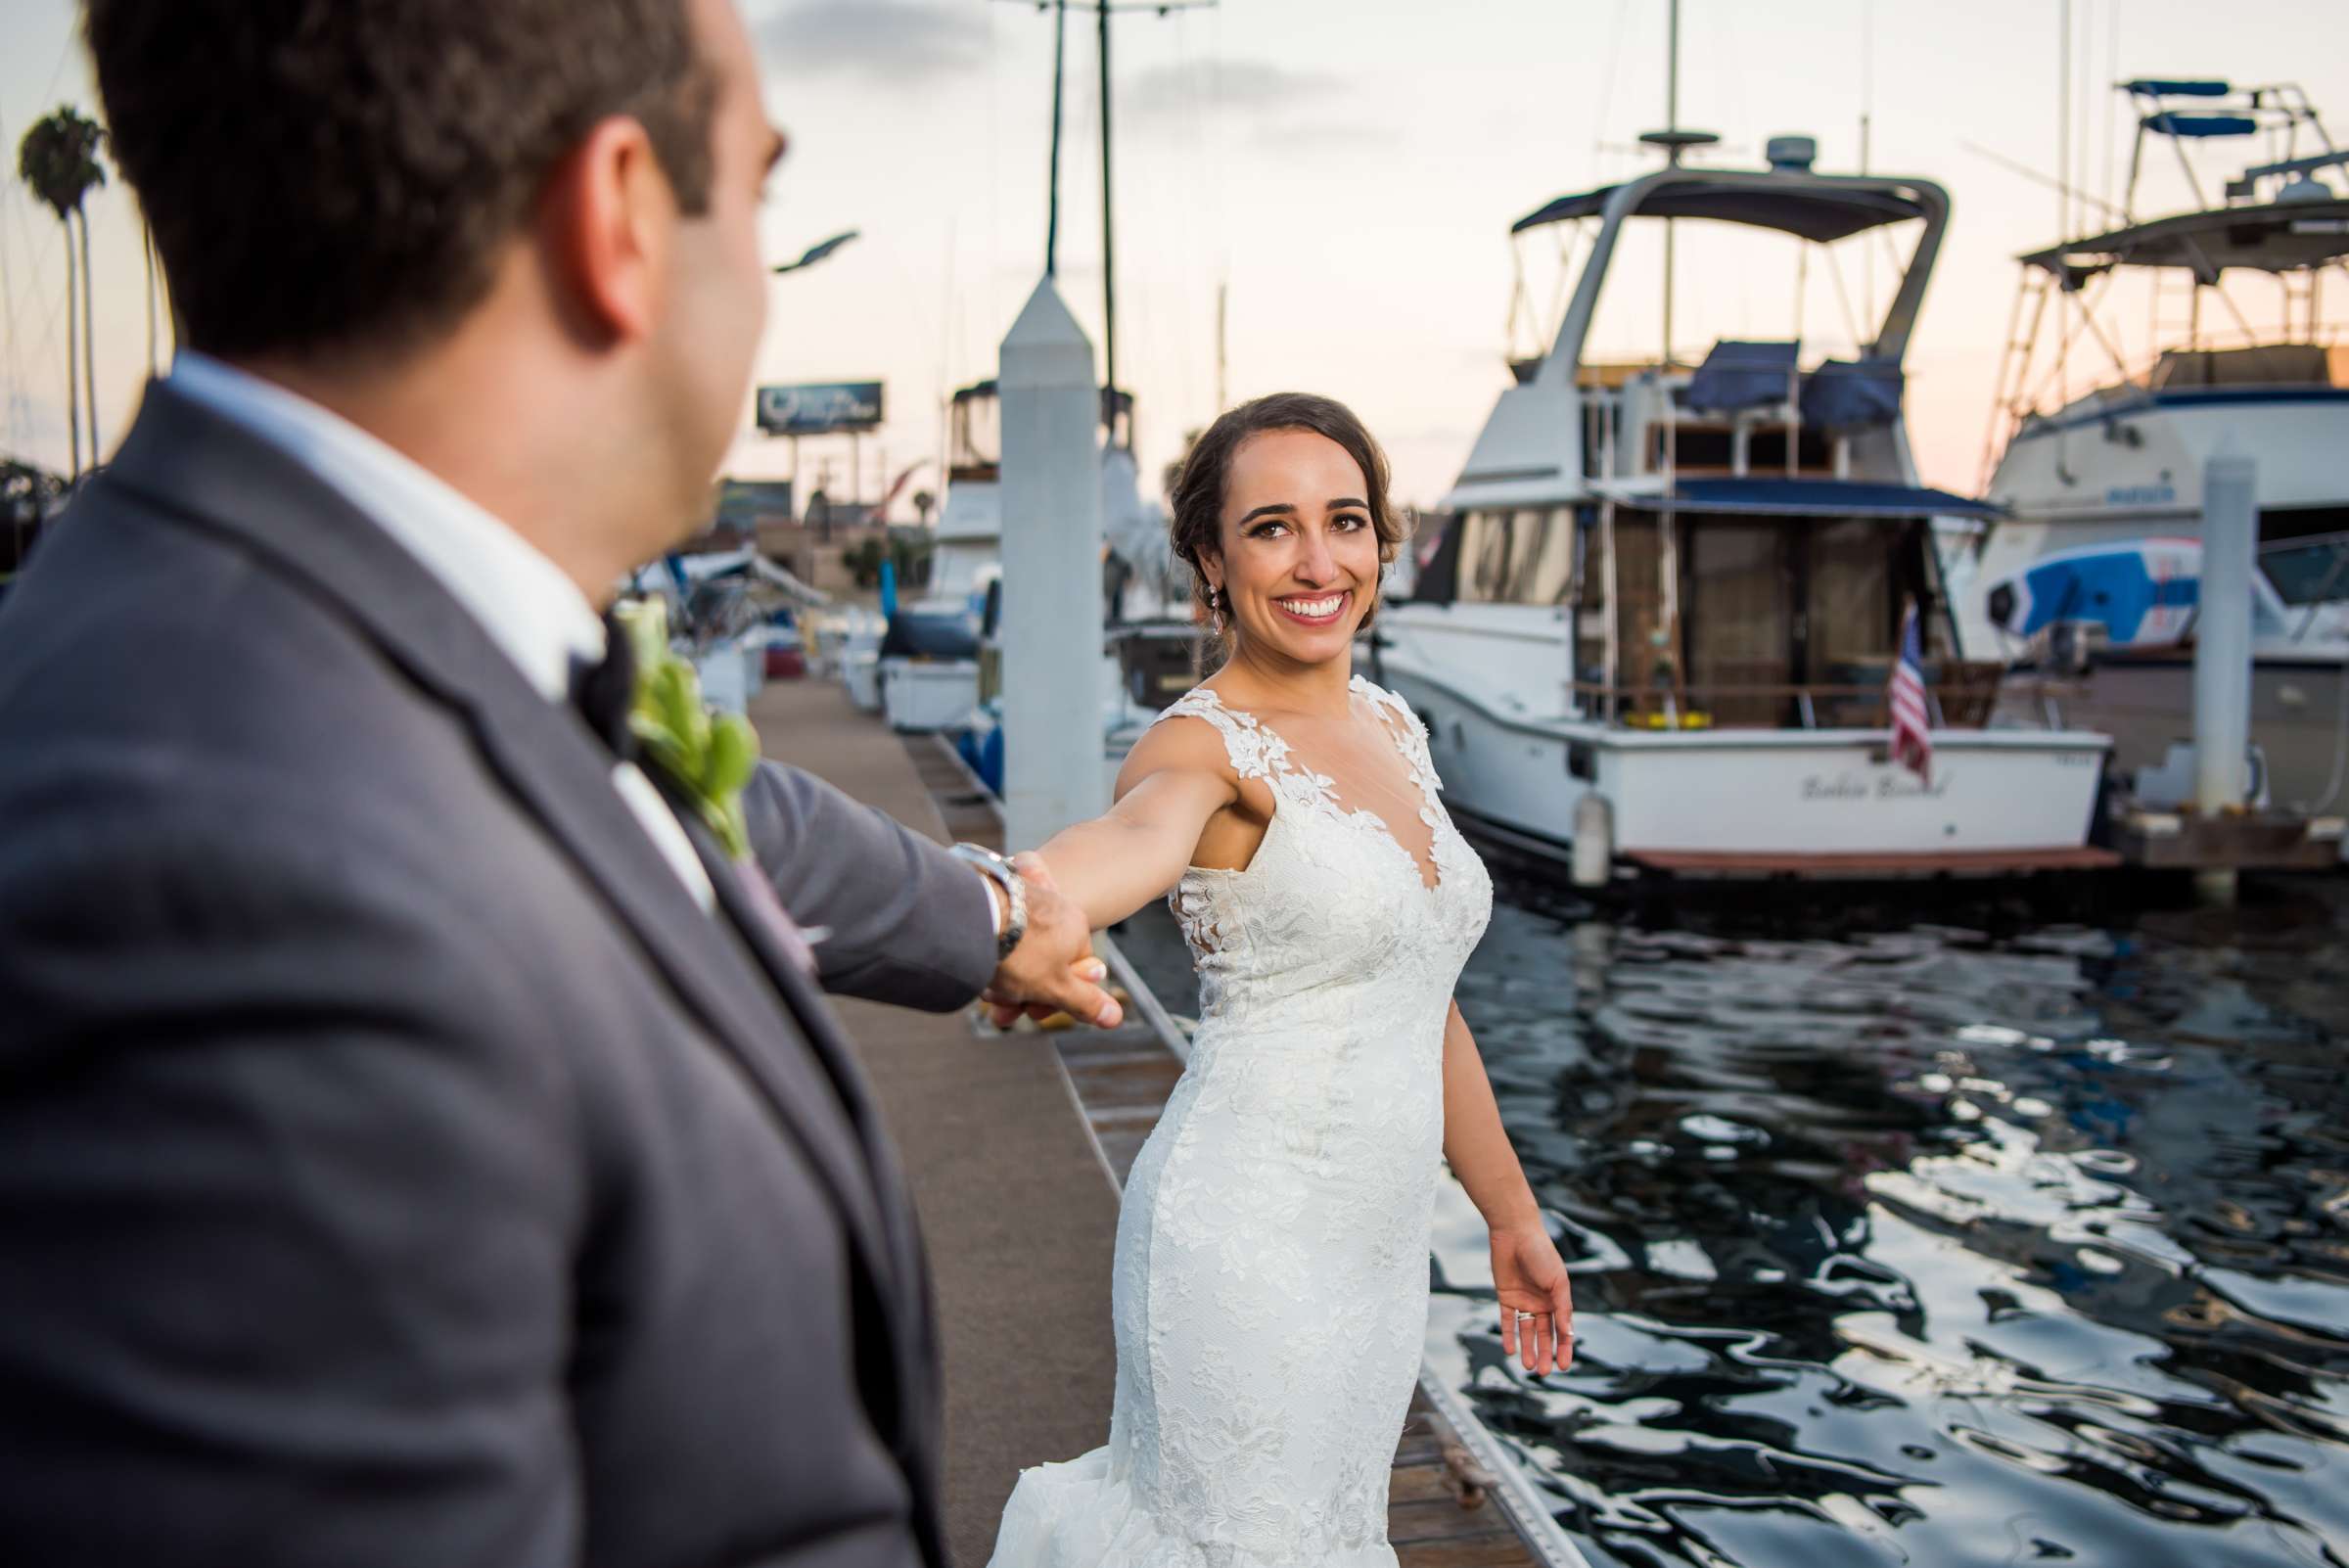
x: 1332, y: 910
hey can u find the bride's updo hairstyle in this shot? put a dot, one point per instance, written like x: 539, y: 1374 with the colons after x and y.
x: 1197, y: 525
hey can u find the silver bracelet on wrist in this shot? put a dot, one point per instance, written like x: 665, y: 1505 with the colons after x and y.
x: 987, y: 863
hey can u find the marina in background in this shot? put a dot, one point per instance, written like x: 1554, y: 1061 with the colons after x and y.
x: 1957, y: 1221
x: 2090, y: 577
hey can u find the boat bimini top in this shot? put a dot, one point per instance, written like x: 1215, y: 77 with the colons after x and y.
x: 2285, y: 235
x: 1788, y: 198
x: 1821, y: 215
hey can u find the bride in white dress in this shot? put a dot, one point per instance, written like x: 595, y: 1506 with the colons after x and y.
x: 1270, y: 1283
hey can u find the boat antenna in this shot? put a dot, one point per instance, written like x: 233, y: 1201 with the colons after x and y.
x: 1060, y: 57
x: 2062, y: 187
x: 1867, y: 97
x: 1223, y: 361
x: 1674, y: 142
x: 2063, y: 122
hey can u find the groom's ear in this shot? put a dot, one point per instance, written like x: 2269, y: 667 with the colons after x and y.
x: 608, y: 223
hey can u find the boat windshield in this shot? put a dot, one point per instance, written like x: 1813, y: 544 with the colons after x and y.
x: 1520, y: 556
x: 2311, y: 570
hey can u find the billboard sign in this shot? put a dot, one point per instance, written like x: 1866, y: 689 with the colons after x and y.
x: 744, y: 504
x: 819, y: 409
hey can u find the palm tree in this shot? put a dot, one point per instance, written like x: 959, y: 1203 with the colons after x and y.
x: 58, y: 160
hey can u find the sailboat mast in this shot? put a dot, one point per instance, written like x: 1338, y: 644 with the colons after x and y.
x: 1060, y: 53
x: 1671, y: 123
x: 1222, y: 359
x: 1101, y: 10
x: 1109, y: 254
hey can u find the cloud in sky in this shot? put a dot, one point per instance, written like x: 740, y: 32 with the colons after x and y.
x: 1284, y: 110
x: 891, y: 42
x: 1177, y: 96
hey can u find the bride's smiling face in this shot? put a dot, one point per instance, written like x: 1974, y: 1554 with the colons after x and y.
x: 1300, y: 556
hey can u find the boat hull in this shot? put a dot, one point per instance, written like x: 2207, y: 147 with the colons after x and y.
x: 1777, y: 794
x: 920, y: 695
x: 2146, y: 705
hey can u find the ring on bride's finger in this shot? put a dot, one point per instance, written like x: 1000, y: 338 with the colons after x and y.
x: 1527, y: 1317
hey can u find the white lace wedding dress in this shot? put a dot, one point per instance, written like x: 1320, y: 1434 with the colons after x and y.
x: 1271, y: 1283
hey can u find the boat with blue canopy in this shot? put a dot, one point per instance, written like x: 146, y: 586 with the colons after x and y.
x: 2192, y: 321
x: 1657, y: 628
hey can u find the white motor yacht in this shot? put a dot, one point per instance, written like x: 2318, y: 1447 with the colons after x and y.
x: 1660, y: 630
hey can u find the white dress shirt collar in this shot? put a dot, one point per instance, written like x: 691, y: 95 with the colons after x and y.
x: 533, y: 613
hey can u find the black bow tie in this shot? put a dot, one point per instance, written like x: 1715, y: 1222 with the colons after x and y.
x: 604, y: 692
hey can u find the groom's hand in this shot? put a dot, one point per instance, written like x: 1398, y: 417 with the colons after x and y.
x: 1053, y: 969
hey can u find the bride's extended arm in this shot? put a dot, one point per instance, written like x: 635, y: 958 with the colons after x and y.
x: 1528, y: 1275
x: 1172, y: 782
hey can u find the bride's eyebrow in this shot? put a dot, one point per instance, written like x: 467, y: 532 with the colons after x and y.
x: 1289, y: 509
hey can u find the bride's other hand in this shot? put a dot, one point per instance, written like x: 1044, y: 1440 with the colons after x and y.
x: 1527, y: 1273
x: 1530, y: 1276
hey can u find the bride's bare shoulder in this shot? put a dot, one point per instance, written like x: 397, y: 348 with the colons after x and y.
x: 1182, y: 741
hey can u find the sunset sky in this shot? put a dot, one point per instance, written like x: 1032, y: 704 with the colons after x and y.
x: 1347, y: 171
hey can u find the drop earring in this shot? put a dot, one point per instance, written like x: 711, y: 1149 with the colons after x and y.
x: 1215, y: 602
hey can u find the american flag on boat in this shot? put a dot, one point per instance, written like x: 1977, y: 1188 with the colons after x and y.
x: 1911, y: 732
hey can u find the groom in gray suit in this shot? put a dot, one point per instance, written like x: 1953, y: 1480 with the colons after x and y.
x: 419, y: 1143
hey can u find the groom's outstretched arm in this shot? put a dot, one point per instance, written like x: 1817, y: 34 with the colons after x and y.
x: 903, y: 921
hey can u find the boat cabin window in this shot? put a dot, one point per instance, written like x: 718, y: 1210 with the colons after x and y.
x: 1521, y: 556
x: 1853, y: 603
x: 1769, y: 621
x: 2306, y: 571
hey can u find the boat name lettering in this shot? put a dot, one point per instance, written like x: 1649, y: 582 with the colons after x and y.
x: 1881, y: 786
x: 2141, y: 494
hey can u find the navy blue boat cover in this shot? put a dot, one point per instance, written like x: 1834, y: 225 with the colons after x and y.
x: 1846, y: 394
x: 1814, y: 497
x: 1741, y: 375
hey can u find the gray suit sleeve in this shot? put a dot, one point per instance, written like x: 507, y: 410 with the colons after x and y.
x: 287, y: 1192
x: 908, y: 923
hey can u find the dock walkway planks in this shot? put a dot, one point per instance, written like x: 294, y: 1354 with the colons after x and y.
x: 1017, y: 1217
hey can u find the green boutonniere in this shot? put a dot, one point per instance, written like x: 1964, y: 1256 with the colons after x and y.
x: 707, y: 756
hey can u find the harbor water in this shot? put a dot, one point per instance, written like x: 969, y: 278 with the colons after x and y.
x: 1947, y: 1237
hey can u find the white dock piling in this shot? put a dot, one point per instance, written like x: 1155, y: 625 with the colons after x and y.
x: 1051, y: 626
x: 2223, y: 648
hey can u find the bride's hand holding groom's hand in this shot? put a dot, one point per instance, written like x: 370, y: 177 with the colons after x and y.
x: 1529, y: 1276
x: 1040, y: 978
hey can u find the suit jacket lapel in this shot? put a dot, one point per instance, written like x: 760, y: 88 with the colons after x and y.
x: 215, y: 475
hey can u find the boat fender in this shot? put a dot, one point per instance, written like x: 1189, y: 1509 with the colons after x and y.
x: 1593, y: 841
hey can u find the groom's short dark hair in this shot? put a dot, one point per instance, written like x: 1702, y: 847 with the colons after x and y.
x: 341, y: 174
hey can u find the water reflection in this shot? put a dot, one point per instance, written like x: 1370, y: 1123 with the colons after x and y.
x: 1906, y: 1242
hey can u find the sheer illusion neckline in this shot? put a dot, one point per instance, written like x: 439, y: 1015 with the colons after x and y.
x: 1323, y: 789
